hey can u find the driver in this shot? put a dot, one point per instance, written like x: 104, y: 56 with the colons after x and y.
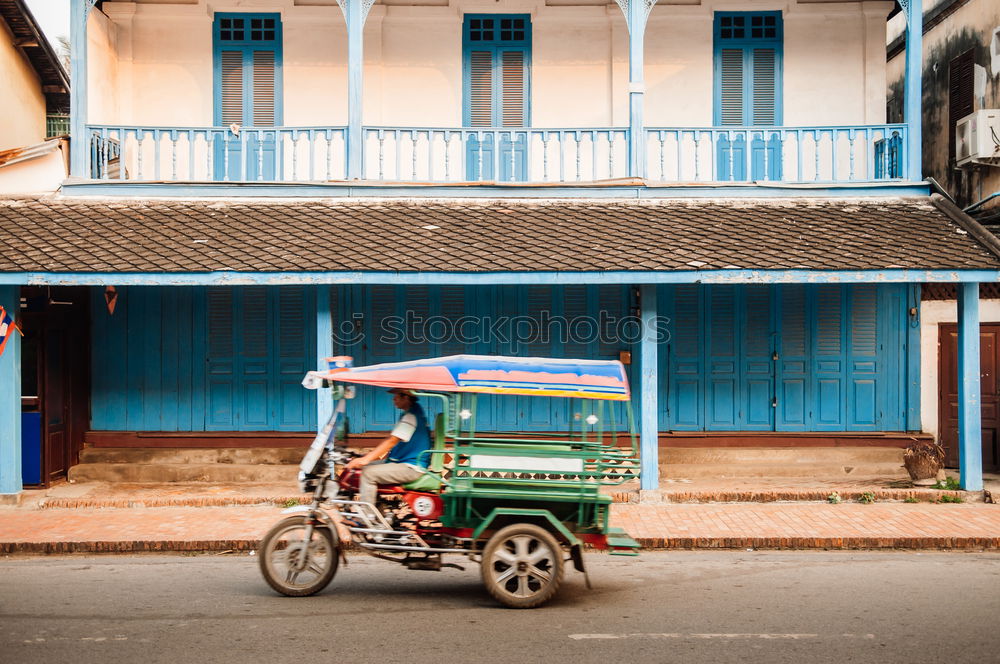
x: 395, y: 460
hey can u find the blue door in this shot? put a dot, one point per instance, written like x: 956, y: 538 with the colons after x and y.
x: 795, y: 357
x: 496, y: 71
x: 247, y: 54
x: 748, y: 51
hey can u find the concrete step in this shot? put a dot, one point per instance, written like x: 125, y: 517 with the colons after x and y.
x: 852, y: 456
x: 803, y: 470
x: 221, y: 455
x: 183, y: 472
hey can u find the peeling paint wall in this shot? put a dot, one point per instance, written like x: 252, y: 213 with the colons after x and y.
x: 969, y: 27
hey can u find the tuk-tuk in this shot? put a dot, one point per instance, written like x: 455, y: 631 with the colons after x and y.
x: 520, y: 504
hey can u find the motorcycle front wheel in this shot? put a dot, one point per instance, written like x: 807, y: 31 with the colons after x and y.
x: 294, y: 565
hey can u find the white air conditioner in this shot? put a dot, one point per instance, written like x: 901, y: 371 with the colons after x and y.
x: 977, y: 137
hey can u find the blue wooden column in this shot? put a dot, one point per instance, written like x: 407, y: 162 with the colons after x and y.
x: 324, y: 349
x: 970, y: 424
x: 648, y: 390
x: 913, y: 88
x: 10, y: 399
x: 78, y: 152
x: 636, y: 12
x: 355, y: 13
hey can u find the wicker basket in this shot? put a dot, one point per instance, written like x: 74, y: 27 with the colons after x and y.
x: 923, y: 460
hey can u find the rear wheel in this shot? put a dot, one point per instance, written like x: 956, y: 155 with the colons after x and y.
x: 294, y: 564
x: 522, y: 566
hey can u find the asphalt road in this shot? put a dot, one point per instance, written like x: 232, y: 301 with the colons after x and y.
x: 661, y: 607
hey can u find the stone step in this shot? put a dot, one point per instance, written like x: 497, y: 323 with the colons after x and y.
x: 183, y: 472
x: 783, y: 455
x: 174, y: 455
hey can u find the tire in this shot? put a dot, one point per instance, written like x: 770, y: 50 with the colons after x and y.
x: 282, y: 566
x: 522, y: 566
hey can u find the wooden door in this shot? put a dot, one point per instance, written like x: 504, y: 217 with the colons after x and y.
x: 989, y: 350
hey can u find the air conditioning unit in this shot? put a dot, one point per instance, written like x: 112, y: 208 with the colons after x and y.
x: 977, y: 137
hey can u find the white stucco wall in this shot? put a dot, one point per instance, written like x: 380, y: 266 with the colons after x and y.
x: 413, y: 62
x: 932, y: 314
x: 41, y: 175
x: 23, y: 102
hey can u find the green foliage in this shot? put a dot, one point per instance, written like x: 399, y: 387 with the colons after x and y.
x: 867, y: 498
x: 948, y: 484
x: 948, y: 498
x: 291, y: 502
x: 911, y: 499
x: 834, y: 498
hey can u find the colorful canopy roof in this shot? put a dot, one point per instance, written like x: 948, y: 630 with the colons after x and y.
x: 489, y: 374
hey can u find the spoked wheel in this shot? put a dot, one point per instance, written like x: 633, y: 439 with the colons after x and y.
x: 294, y: 565
x: 522, y: 566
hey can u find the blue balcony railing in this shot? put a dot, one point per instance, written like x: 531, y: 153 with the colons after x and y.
x: 498, y: 154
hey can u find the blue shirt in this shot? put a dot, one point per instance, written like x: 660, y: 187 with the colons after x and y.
x: 414, y: 437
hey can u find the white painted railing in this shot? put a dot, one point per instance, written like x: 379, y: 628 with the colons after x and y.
x: 518, y: 154
x: 217, y: 154
x: 793, y: 154
x: 494, y: 154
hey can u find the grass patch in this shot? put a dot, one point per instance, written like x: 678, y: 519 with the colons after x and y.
x: 951, y: 499
x: 948, y: 484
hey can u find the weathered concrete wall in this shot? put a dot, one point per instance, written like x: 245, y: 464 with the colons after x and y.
x: 970, y: 27
x: 23, y: 102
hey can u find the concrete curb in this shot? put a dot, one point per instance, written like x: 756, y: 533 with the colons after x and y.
x: 623, y: 497
x: 647, y: 544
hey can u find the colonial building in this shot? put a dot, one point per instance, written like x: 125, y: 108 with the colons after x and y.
x: 708, y: 191
x: 961, y: 74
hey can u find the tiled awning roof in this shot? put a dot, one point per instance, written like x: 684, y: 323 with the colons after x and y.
x: 165, y: 235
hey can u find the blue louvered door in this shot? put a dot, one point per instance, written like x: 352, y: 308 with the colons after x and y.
x: 247, y: 50
x: 496, y: 71
x: 748, y: 49
x: 260, y: 341
x: 794, y: 357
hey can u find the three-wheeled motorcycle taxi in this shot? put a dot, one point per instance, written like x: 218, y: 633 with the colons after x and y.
x: 520, y: 504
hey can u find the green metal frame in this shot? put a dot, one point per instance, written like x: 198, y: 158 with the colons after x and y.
x: 509, y: 511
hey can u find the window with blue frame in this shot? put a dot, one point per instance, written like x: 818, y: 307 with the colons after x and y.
x: 496, y: 65
x: 247, y: 66
x: 748, y: 57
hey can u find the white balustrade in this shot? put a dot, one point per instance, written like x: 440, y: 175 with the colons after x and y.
x: 498, y: 154
x: 792, y: 154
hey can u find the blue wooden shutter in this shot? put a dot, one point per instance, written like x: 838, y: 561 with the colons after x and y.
x: 722, y: 400
x: 247, y: 50
x: 829, y: 380
x: 865, y: 378
x: 221, y: 357
x: 685, y: 350
x: 295, y: 339
x: 792, y: 398
x: 496, y: 66
x: 748, y: 50
x: 757, y: 393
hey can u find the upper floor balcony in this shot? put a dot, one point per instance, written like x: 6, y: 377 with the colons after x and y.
x: 517, y: 91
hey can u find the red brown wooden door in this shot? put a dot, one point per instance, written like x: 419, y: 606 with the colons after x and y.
x: 989, y: 350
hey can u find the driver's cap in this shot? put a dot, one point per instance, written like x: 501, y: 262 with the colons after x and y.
x: 401, y: 390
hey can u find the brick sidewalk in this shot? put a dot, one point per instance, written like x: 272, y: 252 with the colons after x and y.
x: 686, y: 526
